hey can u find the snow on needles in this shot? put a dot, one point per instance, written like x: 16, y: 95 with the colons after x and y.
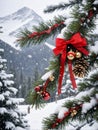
x: 94, y: 48
x: 10, y: 125
x: 46, y: 75
x: 1, y: 97
x: 61, y: 112
x: 87, y: 106
x: 3, y: 110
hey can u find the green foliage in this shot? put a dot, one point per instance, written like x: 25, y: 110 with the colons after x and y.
x: 86, y: 85
x: 40, y: 31
x: 83, y: 16
x: 61, y: 6
x: 49, y: 121
x: 37, y: 101
x: 93, y: 59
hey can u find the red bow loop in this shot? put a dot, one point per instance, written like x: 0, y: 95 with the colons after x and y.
x: 76, y: 40
x: 61, y: 45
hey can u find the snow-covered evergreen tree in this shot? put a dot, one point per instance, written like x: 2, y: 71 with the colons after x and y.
x: 76, y: 50
x: 11, y: 118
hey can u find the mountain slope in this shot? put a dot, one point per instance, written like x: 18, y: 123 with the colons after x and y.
x: 11, y: 24
x: 28, y: 59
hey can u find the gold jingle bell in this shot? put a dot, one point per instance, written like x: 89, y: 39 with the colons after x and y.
x: 51, y: 78
x: 74, y: 112
x: 78, y: 54
x: 71, y: 55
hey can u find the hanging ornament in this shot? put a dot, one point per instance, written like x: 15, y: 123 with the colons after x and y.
x: 78, y: 54
x: 79, y: 43
x: 71, y: 55
x: 73, y: 113
x: 80, y: 68
x: 38, y: 88
x: 41, y: 89
x: 51, y: 78
x: 45, y: 95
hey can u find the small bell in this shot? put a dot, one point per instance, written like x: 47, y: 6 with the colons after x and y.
x: 71, y: 55
x: 51, y: 78
x: 78, y: 54
x: 74, y: 112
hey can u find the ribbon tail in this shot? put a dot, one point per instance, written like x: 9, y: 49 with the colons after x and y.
x: 71, y: 75
x: 46, y: 84
x: 62, y: 65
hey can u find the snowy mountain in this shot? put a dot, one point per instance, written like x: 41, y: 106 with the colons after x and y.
x: 28, y: 59
x: 23, y: 18
x: 11, y: 24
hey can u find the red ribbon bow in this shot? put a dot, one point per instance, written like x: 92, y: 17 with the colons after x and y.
x: 61, y: 45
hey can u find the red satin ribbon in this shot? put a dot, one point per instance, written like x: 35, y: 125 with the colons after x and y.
x: 65, y: 115
x: 61, y: 45
x: 46, y: 84
x: 71, y: 74
x: 48, y: 31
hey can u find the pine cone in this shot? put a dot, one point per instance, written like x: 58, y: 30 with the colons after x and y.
x: 80, y: 68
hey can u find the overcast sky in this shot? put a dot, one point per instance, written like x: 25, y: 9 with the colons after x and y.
x: 9, y: 6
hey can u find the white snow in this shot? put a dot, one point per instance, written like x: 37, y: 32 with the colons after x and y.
x: 7, y: 93
x: 14, y: 114
x: 84, y: 93
x: 10, y: 125
x: 12, y: 23
x: 16, y: 100
x: 1, y: 66
x: 96, y: 2
x: 1, y: 97
x: 87, y: 106
x: 29, y: 56
x: 4, y: 75
x: 35, y: 117
x: 8, y: 82
x: 94, y: 48
x: 2, y: 60
x: 3, y: 110
x: 1, y: 50
x: 46, y: 75
x: 19, y: 128
x: 61, y: 112
x: 49, y: 45
x: 88, y: 127
x: 14, y: 90
x: 97, y: 96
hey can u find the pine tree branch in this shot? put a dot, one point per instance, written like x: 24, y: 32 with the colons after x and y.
x: 55, y: 65
x: 61, y: 6
x: 53, y: 122
x: 37, y: 99
x: 42, y: 32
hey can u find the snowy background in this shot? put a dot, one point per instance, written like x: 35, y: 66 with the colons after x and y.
x: 16, y: 15
x: 35, y: 117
